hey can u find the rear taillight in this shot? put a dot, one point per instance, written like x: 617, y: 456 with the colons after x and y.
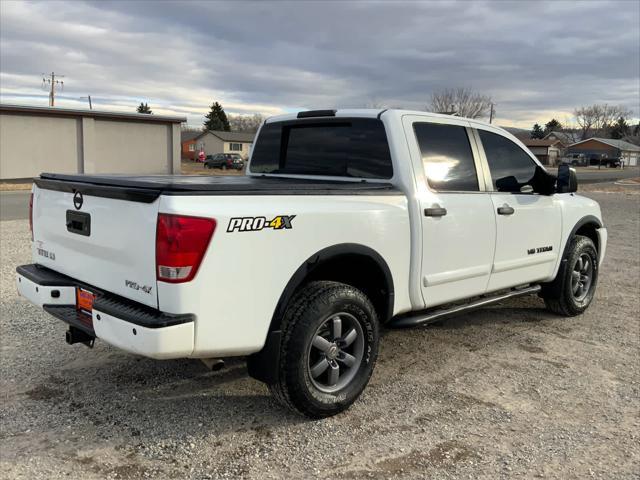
x: 181, y: 243
x: 31, y: 215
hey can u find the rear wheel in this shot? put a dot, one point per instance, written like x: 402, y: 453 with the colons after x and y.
x: 329, y: 348
x: 577, y: 280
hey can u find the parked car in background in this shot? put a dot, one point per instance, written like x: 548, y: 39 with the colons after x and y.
x: 586, y: 160
x: 611, y: 162
x: 575, y: 160
x: 224, y: 161
x: 601, y: 160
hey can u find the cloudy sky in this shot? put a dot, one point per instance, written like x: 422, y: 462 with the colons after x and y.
x: 536, y: 59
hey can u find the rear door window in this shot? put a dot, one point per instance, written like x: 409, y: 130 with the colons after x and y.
x: 447, y: 157
x: 341, y: 147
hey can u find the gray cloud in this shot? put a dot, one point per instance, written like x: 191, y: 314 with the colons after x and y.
x: 535, y: 59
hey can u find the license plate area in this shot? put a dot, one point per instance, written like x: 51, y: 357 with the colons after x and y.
x: 79, y: 223
x: 84, y: 301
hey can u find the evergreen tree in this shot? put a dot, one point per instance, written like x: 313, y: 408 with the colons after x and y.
x: 216, y: 119
x: 537, y: 131
x: 143, y: 108
x: 620, y: 129
x: 552, y: 125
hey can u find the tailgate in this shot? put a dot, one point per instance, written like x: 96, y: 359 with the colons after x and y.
x: 105, y: 242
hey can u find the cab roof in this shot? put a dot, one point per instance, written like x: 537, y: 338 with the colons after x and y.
x: 365, y: 113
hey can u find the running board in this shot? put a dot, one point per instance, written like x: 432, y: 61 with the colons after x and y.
x: 429, y: 316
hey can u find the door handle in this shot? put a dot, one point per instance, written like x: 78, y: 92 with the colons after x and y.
x: 505, y: 210
x: 435, y: 212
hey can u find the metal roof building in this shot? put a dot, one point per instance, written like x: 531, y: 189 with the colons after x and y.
x: 62, y: 140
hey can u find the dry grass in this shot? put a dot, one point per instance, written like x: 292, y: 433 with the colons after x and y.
x: 6, y: 187
x: 628, y: 185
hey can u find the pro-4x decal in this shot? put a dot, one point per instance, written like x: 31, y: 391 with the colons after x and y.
x: 254, y: 224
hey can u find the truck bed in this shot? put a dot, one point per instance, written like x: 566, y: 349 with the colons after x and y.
x: 149, y: 187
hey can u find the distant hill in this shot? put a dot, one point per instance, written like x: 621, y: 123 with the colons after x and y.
x: 515, y: 130
x: 520, y: 133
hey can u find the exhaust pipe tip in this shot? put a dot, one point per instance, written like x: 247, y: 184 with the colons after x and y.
x: 213, y: 364
x: 218, y: 365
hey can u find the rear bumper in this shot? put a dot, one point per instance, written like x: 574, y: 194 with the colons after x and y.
x: 120, y: 322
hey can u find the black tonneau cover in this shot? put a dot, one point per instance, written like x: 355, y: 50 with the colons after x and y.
x: 149, y: 187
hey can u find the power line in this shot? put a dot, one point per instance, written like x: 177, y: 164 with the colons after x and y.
x: 51, y: 82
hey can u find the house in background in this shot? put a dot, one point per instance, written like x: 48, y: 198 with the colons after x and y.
x: 564, y: 138
x: 214, y: 141
x: 547, y: 151
x: 188, y: 140
x: 598, y: 148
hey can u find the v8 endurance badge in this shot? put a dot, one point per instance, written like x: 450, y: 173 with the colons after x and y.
x: 254, y: 224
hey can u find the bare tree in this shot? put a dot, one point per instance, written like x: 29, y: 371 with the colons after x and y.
x: 461, y: 101
x: 597, y: 119
x: 245, y: 123
x: 571, y: 130
x: 191, y: 128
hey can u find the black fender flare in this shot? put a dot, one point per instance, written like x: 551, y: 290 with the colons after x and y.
x: 586, y: 220
x: 263, y: 365
x: 553, y: 289
x: 325, y: 255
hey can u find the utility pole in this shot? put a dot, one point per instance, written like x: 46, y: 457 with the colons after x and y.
x: 88, y: 97
x: 491, y: 114
x: 51, y: 82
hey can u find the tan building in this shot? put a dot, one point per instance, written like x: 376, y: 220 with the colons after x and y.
x: 547, y: 151
x: 59, y: 140
x: 214, y: 141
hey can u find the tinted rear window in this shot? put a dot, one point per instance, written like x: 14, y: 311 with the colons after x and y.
x: 340, y: 147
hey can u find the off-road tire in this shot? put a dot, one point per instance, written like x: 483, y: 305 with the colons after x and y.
x: 308, y: 310
x: 561, y: 299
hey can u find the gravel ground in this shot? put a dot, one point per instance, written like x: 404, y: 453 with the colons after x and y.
x: 507, y: 391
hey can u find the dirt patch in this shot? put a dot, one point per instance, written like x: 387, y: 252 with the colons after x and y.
x: 44, y: 392
x: 531, y: 349
x: 443, y: 455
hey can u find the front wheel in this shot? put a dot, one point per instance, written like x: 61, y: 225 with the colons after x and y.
x: 329, y: 347
x: 577, y: 279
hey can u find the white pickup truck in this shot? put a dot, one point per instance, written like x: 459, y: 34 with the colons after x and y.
x: 346, y: 221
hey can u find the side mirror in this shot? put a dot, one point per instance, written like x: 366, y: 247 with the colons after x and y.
x: 508, y: 184
x: 567, y: 179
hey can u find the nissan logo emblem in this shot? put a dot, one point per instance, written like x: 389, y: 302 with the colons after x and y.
x: 77, y: 200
